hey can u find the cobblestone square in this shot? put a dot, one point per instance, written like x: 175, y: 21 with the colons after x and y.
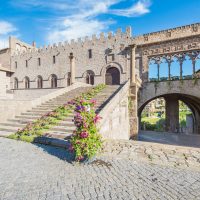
x: 30, y: 172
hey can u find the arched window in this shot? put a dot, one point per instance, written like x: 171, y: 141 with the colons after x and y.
x: 90, y: 77
x: 15, y: 83
x: 27, y: 82
x: 39, y: 82
x: 53, y: 81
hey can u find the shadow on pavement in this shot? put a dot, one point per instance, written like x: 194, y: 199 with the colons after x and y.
x: 59, y: 152
x: 192, y: 140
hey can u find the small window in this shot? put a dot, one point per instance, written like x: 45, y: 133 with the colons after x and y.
x: 26, y: 63
x: 16, y: 65
x: 113, y: 57
x: 39, y: 61
x: 54, y: 59
x: 90, y: 53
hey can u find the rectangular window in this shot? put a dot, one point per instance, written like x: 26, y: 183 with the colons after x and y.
x: 16, y: 65
x: 90, y: 53
x: 54, y: 59
x: 26, y: 63
x: 39, y: 61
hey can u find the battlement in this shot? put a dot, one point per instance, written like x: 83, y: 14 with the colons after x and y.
x: 168, y: 34
x: 94, y: 39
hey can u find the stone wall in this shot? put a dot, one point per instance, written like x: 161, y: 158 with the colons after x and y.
x: 106, y: 51
x: 5, y: 58
x: 169, y: 34
x: 2, y: 84
x: 9, y: 108
x: 116, y: 124
x: 30, y: 94
x: 154, y: 90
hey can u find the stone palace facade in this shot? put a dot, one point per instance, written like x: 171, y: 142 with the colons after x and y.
x: 103, y: 59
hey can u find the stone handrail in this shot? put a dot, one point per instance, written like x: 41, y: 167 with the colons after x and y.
x: 115, y: 116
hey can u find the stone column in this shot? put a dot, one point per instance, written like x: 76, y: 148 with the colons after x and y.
x: 181, y: 70
x: 133, y: 117
x: 169, y: 70
x: 132, y: 72
x: 158, y: 65
x: 194, y: 66
x: 72, y: 68
x: 172, y: 114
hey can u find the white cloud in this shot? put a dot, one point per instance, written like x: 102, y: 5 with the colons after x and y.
x: 82, y: 24
x: 81, y: 17
x: 6, y: 28
x: 76, y: 28
x: 140, y: 8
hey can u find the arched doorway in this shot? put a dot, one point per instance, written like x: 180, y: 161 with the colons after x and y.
x: 27, y: 82
x: 112, y: 76
x: 39, y: 82
x: 53, y: 81
x: 90, y: 77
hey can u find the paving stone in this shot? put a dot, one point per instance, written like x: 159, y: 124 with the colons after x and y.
x: 40, y: 172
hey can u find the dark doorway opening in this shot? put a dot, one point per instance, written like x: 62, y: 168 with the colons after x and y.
x: 112, y: 76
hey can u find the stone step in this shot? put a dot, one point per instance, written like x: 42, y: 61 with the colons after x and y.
x: 58, y: 134
x: 13, y: 124
x: 9, y: 128
x: 53, y: 142
x: 5, y: 133
x: 39, y: 111
x: 66, y: 123
x: 63, y: 128
x: 38, y: 115
x: 46, y: 107
x: 21, y: 121
x: 52, y: 104
x: 27, y: 117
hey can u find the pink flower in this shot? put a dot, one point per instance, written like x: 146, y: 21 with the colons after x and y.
x: 93, y: 102
x: 84, y: 134
x: 97, y: 118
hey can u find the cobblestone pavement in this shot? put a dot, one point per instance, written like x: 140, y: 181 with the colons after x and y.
x: 40, y: 172
x: 160, y: 154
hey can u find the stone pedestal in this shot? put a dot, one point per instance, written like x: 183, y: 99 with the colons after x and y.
x: 172, y: 114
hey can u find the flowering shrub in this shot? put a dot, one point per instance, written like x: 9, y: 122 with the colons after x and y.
x: 86, y: 141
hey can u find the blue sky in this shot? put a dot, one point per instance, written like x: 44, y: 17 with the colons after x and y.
x: 59, y: 20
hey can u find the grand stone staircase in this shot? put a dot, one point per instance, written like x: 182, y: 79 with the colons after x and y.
x: 58, y: 134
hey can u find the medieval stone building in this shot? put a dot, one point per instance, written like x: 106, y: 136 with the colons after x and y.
x: 112, y: 59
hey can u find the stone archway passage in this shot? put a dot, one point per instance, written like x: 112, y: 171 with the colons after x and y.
x: 112, y: 76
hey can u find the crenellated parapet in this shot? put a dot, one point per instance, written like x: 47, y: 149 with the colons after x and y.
x: 80, y: 42
x: 169, y: 34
